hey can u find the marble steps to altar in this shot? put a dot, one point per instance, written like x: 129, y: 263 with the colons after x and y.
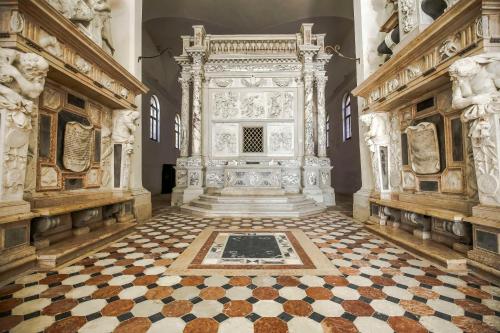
x: 253, y: 206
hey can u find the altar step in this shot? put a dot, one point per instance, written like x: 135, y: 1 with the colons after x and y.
x: 217, y: 205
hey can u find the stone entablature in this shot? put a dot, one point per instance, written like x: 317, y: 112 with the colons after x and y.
x: 461, y: 30
x: 36, y: 26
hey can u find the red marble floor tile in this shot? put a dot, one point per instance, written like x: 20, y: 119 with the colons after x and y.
x: 372, y: 293
x: 159, y: 292
x: 6, y: 323
x: 297, y: 308
x: 428, y: 280
x: 338, y: 325
x: 240, y: 281
x: 212, y: 293
x: 416, y: 307
x: 475, y: 307
x: 383, y: 281
x: 163, y: 262
x: 59, y: 307
x: 117, y: 307
x: 145, y: 280
x: 177, y: 308
x: 133, y: 270
x: 92, y: 270
x: 319, y: 293
x: 135, y: 325
x: 477, y: 293
x: 9, y: 304
x: 10, y: 289
x: 97, y: 280
x: 268, y: 325
x: 358, y: 308
x: 192, y: 280
x: 433, y: 270
x: 265, y: 293
x: 475, y: 280
x: 55, y: 278
x: 403, y: 324
x: 55, y: 291
x: 237, y: 308
x: 107, y: 292
x: 391, y: 270
x: 349, y: 270
x: 471, y: 325
x: 202, y: 325
x: 337, y: 281
x: 361, y: 263
x: 288, y: 281
x: 423, y: 292
x: 124, y: 262
x: 67, y: 325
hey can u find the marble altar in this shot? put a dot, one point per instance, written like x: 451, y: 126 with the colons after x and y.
x: 257, y: 117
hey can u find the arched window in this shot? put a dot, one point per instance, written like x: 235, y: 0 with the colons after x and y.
x: 154, y: 119
x: 177, y: 129
x: 346, y: 116
x: 327, y: 130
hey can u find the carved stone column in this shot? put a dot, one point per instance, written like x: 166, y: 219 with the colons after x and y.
x: 185, y: 80
x: 308, y: 105
x: 193, y: 164
x: 19, y: 87
x: 311, y: 166
x: 320, y: 92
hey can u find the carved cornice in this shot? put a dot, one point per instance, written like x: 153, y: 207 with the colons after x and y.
x: 426, y: 59
x: 106, y: 81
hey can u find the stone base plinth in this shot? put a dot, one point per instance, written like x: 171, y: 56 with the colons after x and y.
x: 361, y: 205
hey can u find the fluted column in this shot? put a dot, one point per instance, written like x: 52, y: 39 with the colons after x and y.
x: 320, y: 93
x: 184, y: 80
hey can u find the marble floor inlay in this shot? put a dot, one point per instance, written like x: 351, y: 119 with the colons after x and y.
x: 126, y: 287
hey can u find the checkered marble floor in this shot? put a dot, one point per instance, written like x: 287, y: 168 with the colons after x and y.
x: 122, y: 288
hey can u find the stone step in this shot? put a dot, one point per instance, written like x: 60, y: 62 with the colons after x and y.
x: 294, y: 205
x: 296, y: 198
x: 261, y: 206
x: 249, y: 212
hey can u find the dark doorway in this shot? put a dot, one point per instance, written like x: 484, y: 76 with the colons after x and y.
x: 167, y: 178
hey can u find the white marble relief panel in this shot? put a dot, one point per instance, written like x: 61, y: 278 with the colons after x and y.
x: 280, y: 139
x: 424, y: 148
x: 225, y: 139
x: 225, y: 105
x: 280, y: 105
x: 252, y: 105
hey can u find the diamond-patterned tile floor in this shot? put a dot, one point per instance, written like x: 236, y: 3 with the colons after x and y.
x: 122, y: 288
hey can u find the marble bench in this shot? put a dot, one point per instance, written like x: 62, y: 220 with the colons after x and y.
x: 427, y: 223
x: 61, y: 232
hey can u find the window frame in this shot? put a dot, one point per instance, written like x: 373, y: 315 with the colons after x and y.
x: 154, y: 119
x: 346, y: 117
x: 177, y: 131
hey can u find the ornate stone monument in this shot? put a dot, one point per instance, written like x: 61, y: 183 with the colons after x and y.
x: 257, y: 122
